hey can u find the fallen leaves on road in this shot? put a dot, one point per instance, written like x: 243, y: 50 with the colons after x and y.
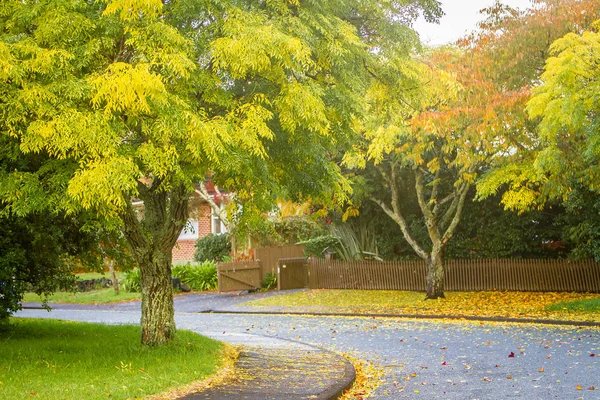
x: 368, y: 378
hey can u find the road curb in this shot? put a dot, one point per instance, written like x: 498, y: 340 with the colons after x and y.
x: 344, y: 383
x: 414, y: 316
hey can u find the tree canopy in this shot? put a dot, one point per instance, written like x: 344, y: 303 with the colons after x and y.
x: 522, y: 45
x: 142, y: 98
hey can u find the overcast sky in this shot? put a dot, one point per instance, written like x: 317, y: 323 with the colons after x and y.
x: 461, y: 17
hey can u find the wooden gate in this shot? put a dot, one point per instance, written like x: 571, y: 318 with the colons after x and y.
x: 292, y: 273
x: 241, y: 275
x: 269, y: 256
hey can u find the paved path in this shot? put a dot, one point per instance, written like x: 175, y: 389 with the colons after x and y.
x: 275, y: 369
x: 427, y: 359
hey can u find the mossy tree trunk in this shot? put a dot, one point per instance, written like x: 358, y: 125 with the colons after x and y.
x: 152, y: 233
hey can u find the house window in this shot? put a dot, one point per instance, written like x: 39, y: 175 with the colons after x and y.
x: 190, y: 230
x: 217, y: 226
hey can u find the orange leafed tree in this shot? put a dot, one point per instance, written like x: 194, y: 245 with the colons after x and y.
x: 511, y: 49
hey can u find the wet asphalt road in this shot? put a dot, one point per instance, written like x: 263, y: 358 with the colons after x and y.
x: 418, y: 359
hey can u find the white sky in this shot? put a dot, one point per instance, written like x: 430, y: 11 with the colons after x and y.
x: 461, y: 17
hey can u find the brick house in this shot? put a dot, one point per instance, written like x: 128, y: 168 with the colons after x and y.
x: 202, y: 222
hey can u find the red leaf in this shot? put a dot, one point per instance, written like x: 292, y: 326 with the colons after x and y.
x: 511, y: 355
x: 444, y: 363
x: 592, y: 355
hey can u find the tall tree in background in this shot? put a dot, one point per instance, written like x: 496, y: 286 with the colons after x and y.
x: 142, y: 98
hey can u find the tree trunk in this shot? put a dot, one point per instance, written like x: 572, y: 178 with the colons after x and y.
x: 113, y: 275
x: 152, y: 238
x: 435, y: 274
x: 158, y: 316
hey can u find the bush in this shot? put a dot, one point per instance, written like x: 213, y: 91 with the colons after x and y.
x: 296, y: 229
x: 269, y: 281
x: 132, y: 281
x: 197, y: 277
x: 315, y: 247
x: 212, y: 248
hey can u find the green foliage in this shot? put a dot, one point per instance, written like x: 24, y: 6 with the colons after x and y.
x: 197, y: 277
x: 316, y: 247
x: 140, y: 99
x: 553, y: 151
x: 39, y: 245
x: 132, y: 280
x: 292, y: 230
x: 212, y: 248
x: 63, y: 360
x: 568, y: 112
x: 581, y: 223
x: 37, y: 253
x: 343, y: 243
x: 487, y: 230
x: 349, y: 245
x: 269, y: 281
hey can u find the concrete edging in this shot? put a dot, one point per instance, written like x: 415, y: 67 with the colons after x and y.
x: 347, y: 381
x: 414, y: 316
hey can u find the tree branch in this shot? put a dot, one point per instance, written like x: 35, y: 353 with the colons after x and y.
x: 456, y: 219
x: 202, y: 191
x: 132, y: 229
x: 177, y: 217
x: 396, y: 214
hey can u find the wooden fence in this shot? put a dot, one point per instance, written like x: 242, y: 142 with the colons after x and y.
x: 241, y: 275
x: 463, y: 275
x: 269, y: 256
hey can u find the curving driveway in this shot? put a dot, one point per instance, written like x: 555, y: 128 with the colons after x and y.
x: 418, y: 359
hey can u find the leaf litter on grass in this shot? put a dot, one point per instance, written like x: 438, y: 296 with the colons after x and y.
x: 543, y: 305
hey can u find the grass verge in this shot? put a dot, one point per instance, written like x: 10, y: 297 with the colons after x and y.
x: 50, y: 359
x: 582, y: 305
x: 100, y: 296
x: 98, y: 275
x: 546, y: 305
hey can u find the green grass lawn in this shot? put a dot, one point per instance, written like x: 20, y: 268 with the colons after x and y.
x: 545, y: 305
x: 48, y: 359
x: 584, y: 305
x: 100, y: 296
x: 97, y: 275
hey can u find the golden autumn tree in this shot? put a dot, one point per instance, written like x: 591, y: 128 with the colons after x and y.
x: 140, y: 99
